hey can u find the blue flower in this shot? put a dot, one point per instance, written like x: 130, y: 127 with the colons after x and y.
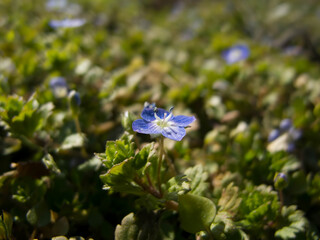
x: 56, y: 4
x: 236, y: 54
x: 284, y: 138
x: 67, y: 23
x: 157, y: 121
x: 59, y: 87
x: 274, y: 134
x: 285, y: 124
x: 295, y: 134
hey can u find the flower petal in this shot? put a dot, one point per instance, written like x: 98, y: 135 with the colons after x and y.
x: 236, y: 53
x: 183, y: 121
x: 174, y: 132
x: 148, y: 113
x: 142, y: 126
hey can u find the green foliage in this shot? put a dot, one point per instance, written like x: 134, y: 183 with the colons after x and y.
x: 196, y: 213
x: 224, y: 226
x: 53, y: 150
x: 24, y: 118
x: 259, y: 206
x: 72, y: 141
x: 143, y: 226
x: 293, y: 224
x: 39, y: 215
x: 118, y: 151
x: 6, y: 222
x: 198, y: 180
x: 128, y: 228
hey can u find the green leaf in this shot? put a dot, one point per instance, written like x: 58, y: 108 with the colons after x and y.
x: 6, y: 222
x: 72, y: 141
x: 229, y: 200
x: 128, y: 230
x: 119, y: 178
x: 259, y: 205
x: 294, y: 221
x: 49, y: 162
x: 143, y: 225
x: 39, y: 215
x: 199, y: 177
x: 117, y: 151
x: 141, y: 159
x: 196, y: 213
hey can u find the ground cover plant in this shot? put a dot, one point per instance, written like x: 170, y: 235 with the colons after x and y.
x: 159, y: 119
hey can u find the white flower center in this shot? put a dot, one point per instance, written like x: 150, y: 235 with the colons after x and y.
x: 235, y: 54
x: 165, y: 122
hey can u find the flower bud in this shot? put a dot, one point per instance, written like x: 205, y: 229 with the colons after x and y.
x: 280, y: 181
x: 74, y: 102
x: 127, y: 120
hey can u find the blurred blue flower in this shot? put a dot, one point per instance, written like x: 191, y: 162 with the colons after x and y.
x: 157, y: 121
x: 285, y: 124
x: 291, y: 146
x: 236, y: 54
x: 67, y: 23
x: 295, y: 134
x: 56, y: 4
x: 275, y: 133
x: 284, y: 138
x: 59, y: 87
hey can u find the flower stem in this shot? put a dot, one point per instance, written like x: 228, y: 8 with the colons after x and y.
x: 161, y: 151
x: 170, y: 165
x: 147, y: 188
x: 281, y: 198
x: 77, y: 123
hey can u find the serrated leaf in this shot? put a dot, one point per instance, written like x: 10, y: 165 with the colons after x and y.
x: 229, y: 200
x: 286, y: 233
x: 295, y: 223
x: 259, y: 205
x: 128, y: 230
x: 119, y: 178
x: 198, y: 178
x: 141, y: 159
x: 196, y: 213
x: 117, y: 151
x: 176, y: 186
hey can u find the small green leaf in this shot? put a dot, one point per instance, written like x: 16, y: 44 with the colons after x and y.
x: 39, y: 215
x: 196, y: 213
x: 73, y: 141
x: 60, y: 227
x: 128, y: 230
x: 6, y: 222
x: 198, y: 178
x: 229, y: 200
x: 142, y: 156
x: 295, y: 223
x: 117, y: 151
x: 49, y: 162
x: 119, y: 178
